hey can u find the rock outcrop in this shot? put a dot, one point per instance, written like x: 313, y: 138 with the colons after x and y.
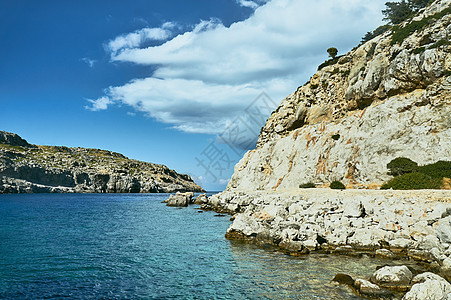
x: 387, y: 98
x: 26, y: 168
x: 180, y: 199
x: 380, y: 101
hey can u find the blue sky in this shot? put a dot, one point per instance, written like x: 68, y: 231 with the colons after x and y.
x: 159, y: 81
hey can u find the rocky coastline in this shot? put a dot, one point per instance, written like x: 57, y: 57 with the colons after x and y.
x: 385, y: 99
x: 410, y: 227
x: 27, y: 168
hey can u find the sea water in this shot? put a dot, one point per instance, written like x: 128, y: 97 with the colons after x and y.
x: 131, y: 246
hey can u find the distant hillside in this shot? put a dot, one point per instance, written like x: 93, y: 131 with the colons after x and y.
x: 27, y: 168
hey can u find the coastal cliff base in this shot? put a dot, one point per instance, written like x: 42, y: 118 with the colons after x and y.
x: 413, y: 225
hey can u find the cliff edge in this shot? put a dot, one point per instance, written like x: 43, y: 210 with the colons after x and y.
x: 27, y: 168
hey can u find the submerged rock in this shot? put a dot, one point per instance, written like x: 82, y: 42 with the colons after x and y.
x: 371, y: 290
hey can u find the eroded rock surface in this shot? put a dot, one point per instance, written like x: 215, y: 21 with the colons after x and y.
x: 377, y: 102
x: 26, y: 168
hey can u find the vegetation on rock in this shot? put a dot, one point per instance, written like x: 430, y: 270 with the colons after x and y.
x: 410, y: 176
x: 32, y: 168
x: 308, y: 185
x: 412, y: 181
x: 400, y: 33
x: 401, y: 165
x: 332, y: 52
x: 337, y: 185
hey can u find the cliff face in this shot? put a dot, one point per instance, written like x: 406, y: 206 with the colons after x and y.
x: 26, y: 168
x: 387, y: 98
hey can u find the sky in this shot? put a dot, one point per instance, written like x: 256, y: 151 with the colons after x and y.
x: 187, y: 84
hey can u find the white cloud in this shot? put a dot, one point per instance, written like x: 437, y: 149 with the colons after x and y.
x: 90, y: 62
x: 99, y: 104
x: 137, y: 38
x: 206, y: 77
x: 251, y: 4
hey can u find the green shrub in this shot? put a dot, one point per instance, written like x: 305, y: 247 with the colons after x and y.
x: 314, y: 86
x: 442, y: 42
x: 418, y: 50
x: 329, y: 62
x: 439, y: 169
x: 337, y: 185
x: 332, y: 51
x: 400, y: 33
x: 413, y: 181
x: 308, y: 185
x: 336, y: 137
x: 372, y: 34
x: 401, y: 165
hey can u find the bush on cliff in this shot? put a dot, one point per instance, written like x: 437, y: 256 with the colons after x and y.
x: 413, y: 181
x: 402, y: 165
x: 412, y: 177
x: 439, y: 169
x: 308, y: 185
x: 337, y: 185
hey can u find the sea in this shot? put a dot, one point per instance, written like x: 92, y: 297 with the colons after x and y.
x: 132, y: 246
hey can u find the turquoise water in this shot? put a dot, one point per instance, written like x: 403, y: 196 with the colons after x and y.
x: 131, y: 246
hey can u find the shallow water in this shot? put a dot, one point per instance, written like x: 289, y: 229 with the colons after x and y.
x: 91, y: 246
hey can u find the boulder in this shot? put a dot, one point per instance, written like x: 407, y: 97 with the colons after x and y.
x: 180, y: 199
x: 393, y: 277
x: 353, y: 208
x: 443, y: 230
x: 385, y: 253
x: 446, y: 268
x: 371, y: 290
x: 201, y: 199
x: 420, y: 278
x: 431, y: 289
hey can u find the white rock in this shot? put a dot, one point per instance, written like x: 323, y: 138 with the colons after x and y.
x: 367, y: 288
x: 353, y: 208
x: 443, y: 230
x: 420, y: 278
x: 392, y: 276
x: 429, y: 290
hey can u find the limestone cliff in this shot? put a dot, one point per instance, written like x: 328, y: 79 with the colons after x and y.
x: 387, y: 98
x: 26, y: 168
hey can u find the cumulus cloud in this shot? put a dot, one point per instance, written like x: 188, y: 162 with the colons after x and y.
x: 251, y: 4
x: 137, y: 38
x: 204, y: 78
x: 99, y: 104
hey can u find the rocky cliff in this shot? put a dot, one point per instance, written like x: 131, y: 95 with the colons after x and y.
x: 26, y: 168
x: 390, y: 97
x: 387, y: 98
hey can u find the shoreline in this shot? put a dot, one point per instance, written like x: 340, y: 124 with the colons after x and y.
x: 406, y: 225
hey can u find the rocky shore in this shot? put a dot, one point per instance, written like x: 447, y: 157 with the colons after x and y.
x: 387, y: 98
x: 27, y: 168
x: 410, y: 226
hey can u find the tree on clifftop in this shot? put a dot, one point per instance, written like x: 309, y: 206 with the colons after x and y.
x: 397, y: 12
x: 332, y: 52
